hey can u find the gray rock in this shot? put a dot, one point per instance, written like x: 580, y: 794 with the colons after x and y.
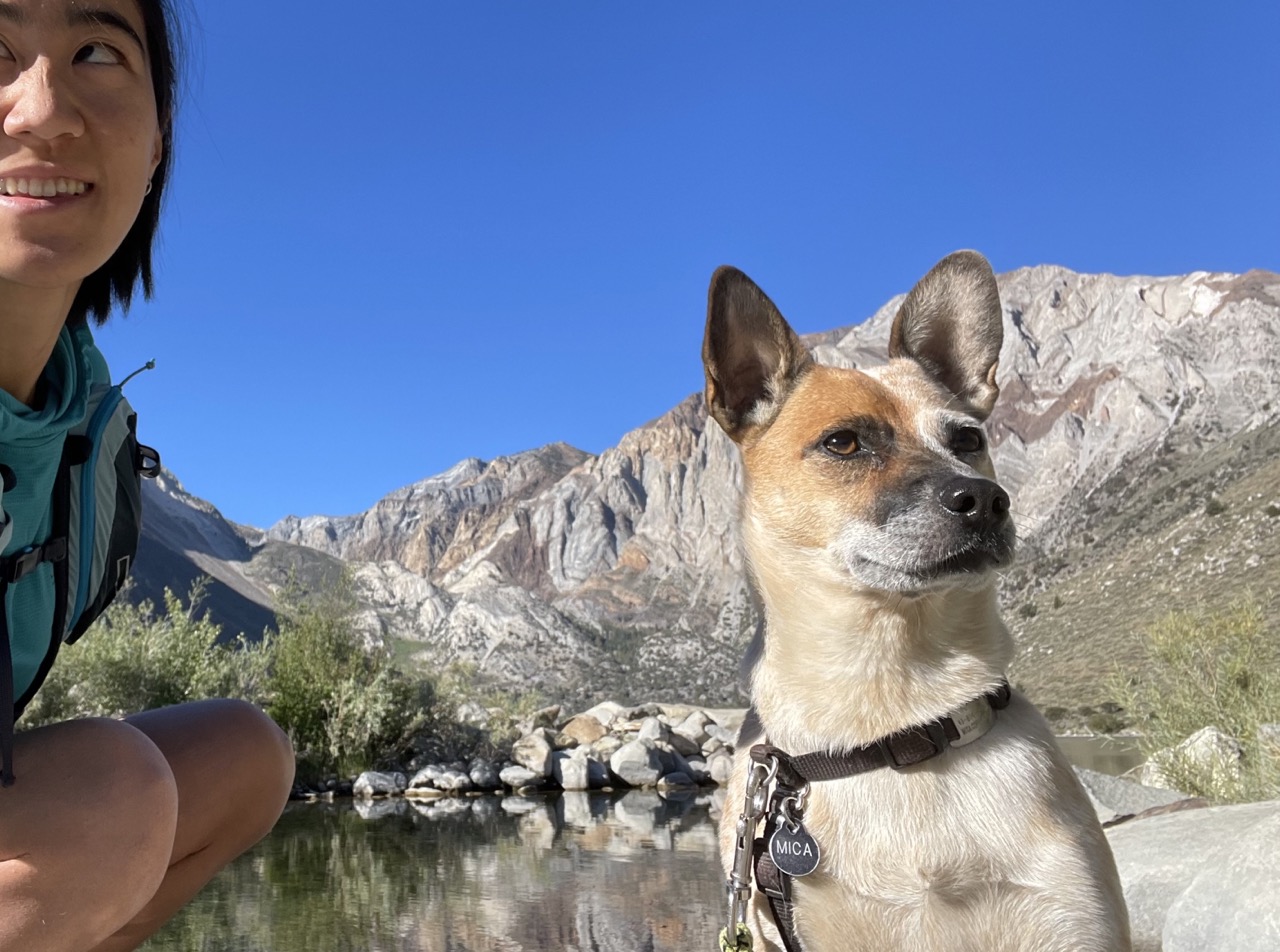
x: 651, y: 729
x: 546, y: 717
x: 373, y: 783
x: 533, y: 752
x: 675, y: 781
x: 720, y: 766
x: 1115, y: 797
x: 1160, y: 859
x: 518, y: 777
x: 699, y: 772
x: 727, y: 737
x: 636, y: 764
x: 606, y: 712
x: 426, y: 778
x: 1213, y: 750
x: 605, y: 747
x: 1234, y: 906
x: 454, y: 781
x: 469, y: 712
x: 570, y: 769
x: 484, y: 776
x: 598, y: 774
x: 694, y: 730
x: 1268, y: 737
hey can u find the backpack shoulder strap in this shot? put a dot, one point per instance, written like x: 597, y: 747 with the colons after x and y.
x: 103, y: 506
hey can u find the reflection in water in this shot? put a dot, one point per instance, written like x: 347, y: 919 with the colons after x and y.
x: 578, y: 872
x: 573, y: 872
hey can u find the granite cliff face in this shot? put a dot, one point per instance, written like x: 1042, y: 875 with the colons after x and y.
x: 622, y: 574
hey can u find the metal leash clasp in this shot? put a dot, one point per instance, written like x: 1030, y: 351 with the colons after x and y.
x: 759, y: 788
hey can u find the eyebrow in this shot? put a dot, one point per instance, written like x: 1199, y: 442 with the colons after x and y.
x: 15, y: 15
x: 100, y: 17
x: 77, y: 16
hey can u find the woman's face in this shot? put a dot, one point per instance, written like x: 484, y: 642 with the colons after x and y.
x: 79, y: 135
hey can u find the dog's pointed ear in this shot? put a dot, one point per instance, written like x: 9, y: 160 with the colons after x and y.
x: 952, y: 326
x: 750, y: 354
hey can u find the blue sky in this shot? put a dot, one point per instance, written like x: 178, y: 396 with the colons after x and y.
x: 404, y: 233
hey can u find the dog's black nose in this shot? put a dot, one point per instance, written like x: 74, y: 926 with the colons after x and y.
x: 979, y: 502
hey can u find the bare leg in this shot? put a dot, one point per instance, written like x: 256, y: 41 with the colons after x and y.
x: 233, y: 768
x: 86, y: 833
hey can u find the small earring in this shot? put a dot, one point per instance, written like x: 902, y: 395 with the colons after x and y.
x: 148, y: 191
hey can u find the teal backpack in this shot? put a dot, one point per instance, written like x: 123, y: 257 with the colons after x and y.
x: 97, y: 519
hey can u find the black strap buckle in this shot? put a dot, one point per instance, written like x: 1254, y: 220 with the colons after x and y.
x: 913, y: 746
x: 21, y: 564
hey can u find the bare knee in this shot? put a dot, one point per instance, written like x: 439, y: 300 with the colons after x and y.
x: 135, y: 805
x: 95, y: 812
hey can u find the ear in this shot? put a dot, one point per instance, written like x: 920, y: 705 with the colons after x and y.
x: 750, y: 354
x: 952, y: 326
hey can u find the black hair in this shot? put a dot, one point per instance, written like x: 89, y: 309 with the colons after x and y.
x: 131, y: 262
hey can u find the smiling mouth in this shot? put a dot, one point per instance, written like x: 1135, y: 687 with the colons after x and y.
x: 43, y: 187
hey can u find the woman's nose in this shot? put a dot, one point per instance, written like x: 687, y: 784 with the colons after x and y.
x: 37, y: 104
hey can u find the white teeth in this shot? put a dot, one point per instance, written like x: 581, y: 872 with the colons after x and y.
x: 42, y: 188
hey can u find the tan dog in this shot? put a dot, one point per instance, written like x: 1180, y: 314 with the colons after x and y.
x: 873, y: 526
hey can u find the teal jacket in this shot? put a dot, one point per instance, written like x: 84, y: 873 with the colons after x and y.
x: 31, y: 442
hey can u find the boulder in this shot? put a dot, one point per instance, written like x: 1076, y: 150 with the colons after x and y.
x: 651, y: 729
x: 720, y: 766
x: 546, y: 717
x: 454, y: 781
x: 1232, y: 906
x: 676, y: 782
x: 606, y: 712
x: 570, y: 770
x: 1208, y: 750
x: 1114, y: 797
x: 636, y: 764
x: 585, y: 729
x: 518, y: 777
x: 699, y: 772
x: 484, y: 776
x: 426, y: 778
x: 533, y: 752
x: 726, y: 737
x: 694, y: 729
x: 605, y: 747
x: 375, y: 783
x: 1185, y: 871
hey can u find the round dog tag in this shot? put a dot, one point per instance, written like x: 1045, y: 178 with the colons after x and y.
x: 795, y: 853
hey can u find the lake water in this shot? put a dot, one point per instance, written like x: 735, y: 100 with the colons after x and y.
x: 585, y: 872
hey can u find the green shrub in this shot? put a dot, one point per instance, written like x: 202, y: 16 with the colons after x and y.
x: 1214, y: 506
x: 1205, y: 669
x: 343, y: 705
x: 133, y: 658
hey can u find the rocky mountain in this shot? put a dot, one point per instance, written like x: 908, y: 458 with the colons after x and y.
x: 1136, y: 431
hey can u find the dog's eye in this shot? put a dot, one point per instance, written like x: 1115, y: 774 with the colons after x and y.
x: 967, y: 439
x: 841, y: 443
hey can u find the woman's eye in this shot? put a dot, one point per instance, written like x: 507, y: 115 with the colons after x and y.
x: 99, y: 54
x: 967, y: 439
x: 841, y: 443
x: 5, y: 52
